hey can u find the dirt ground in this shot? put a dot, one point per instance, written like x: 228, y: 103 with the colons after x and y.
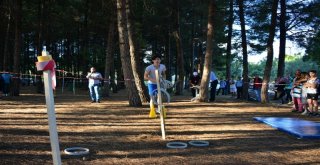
x: 118, y: 134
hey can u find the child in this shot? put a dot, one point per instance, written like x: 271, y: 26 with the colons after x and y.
x: 312, y: 94
x: 305, y: 76
x: 297, y: 92
x: 233, y: 89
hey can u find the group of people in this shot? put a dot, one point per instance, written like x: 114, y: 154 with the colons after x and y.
x: 233, y: 87
x: 305, y: 92
x: 5, y: 81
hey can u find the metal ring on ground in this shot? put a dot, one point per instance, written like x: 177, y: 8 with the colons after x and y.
x: 76, y: 151
x: 177, y: 145
x: 199, y: 143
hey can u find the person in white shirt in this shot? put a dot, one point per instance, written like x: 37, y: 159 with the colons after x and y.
x: 312, y: 94
x: 150, y: 75
x: 213, y: 84
x: 94, y: 83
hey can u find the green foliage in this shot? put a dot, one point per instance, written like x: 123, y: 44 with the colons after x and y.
x: 76, y: 31
x: 291, y: 65
x: 313, y: 48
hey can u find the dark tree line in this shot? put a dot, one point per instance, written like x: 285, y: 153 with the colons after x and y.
x: 119, y: 36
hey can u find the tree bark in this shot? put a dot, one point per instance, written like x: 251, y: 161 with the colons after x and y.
x: 17, y: 47
x: 180, y: 56
x: 244, y: 52
x: 40, y: 25
x: 228, y: 58
x: 180, y: 64
x: 134, y: 99
x: 208, y: 56
x: 135, y: 58
x: 109, y: 60
x: 267, y: 70
x: 282, y: 48
x: 6, y: 40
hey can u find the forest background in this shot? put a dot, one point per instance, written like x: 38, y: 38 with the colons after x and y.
x: 118, y: 37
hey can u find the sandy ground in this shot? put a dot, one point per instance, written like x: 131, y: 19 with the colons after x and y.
x: 118, y: 134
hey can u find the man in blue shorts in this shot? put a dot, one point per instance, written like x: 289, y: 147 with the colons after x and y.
x: 150, y: 75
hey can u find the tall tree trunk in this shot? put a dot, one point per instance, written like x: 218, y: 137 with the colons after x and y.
x: 180, y: 63
x: 180, y: 58
x: 109, y: 54
x: 267, y: 70
x: 85, y: 44
x: 167, y: 57
x: 135, y: 58
x: 40, y: 25
x: 6, y: 40
x: 17, y: 47
x: 244, y: 52
x: 110, y: 50
x: 282, y: 48
x: 230, y: 23
x: 134, y: 98
x: 208, y: 56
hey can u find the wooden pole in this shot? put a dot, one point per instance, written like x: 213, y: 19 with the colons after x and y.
x: 62, y: 86
x: 160, y: 107
x: 52, y: 118
x: 74, y: 86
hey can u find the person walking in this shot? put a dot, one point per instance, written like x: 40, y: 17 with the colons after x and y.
x: 150, y: 76
x: 280, y: 88
x: 222, y: 87
x: 213, y: 84
x: 257, y: 85
x: 94, y: 84
x: 239, y: 84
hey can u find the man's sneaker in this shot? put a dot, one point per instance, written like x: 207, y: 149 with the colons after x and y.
x: 93, y: 101
x: 157, y: 110
x: 315, y: 114
x: 98, y: 101
x: 306, y: 112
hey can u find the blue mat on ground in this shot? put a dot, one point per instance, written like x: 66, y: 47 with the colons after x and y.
x: 302, y: 129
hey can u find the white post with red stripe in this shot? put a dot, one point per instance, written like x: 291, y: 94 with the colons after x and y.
x: 47, y: 75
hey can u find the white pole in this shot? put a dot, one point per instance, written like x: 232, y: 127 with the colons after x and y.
x: 163, y: 129
x: 52, y: 118
x: 74, y: 86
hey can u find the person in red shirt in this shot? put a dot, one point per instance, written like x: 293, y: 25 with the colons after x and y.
x: 257, y: 84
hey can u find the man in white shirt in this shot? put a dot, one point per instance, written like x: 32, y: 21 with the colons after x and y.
x: 213, y: 84
x: 94, y: 83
